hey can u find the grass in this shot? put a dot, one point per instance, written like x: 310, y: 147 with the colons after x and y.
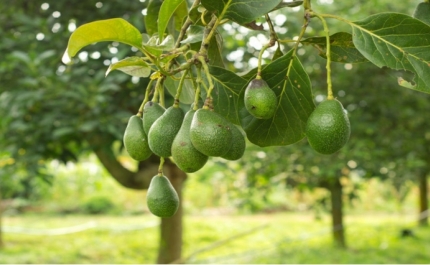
x: 288, y: 238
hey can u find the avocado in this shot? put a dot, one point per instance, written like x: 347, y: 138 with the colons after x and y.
x: 210, y: 133
x: 151, y: 112
x: 135, y: 140
x: 328, y: 128
x: 163, y: 131
x: 260, y: 100
x: 185, y: 155
x: 238, y: 144
x: 161, y: 198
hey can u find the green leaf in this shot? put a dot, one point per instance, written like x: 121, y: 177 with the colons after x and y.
x: 167, y: 10
x: 288, y: 4
x: 188, y: 93
x: 194, y: 14
x: 422, y: 12
x: 180, y: 14
x: 241, y: 11
x: 278, y: 53
x: 116, y: 29
x: 227, y: 87
x: 215, y: 51
x: 194, y: 34
x: 396, y: 41
x: 295, y: 105
x: 151, y: 17
x: 341, y: 45
x: 156, y: 48
x: 134, y: 66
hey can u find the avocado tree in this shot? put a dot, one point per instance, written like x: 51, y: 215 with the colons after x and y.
x: 272, y: 103
x: 181, y: 53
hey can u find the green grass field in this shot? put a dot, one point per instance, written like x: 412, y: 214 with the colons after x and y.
x: 287, y: 238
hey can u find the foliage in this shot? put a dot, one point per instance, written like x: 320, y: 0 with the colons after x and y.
x: 383, y: 39
x: 47, y: 110
x: 100, y: 106
x: 100, y: 204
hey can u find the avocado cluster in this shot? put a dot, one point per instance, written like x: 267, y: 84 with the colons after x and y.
x: 189, y: 138
x: 203, y: 134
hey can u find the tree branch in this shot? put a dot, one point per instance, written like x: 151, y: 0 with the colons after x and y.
x: 134, y: 180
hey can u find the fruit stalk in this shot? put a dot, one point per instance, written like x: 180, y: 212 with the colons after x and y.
x: 272, y: 41
x: 196, y: 98
x: 160, y: 167
x: 179, y: 91
x: 328, y: 55
x: 146, y: 99
x: 302, y: 32
x: 155, y: 97
x: 208, y: 75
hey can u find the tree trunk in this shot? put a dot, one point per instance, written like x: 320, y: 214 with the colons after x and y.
x: 423, y: 186
x: 336, y: 213
x: 170, y: 248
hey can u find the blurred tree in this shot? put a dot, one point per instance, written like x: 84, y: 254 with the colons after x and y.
x: 50, y: 111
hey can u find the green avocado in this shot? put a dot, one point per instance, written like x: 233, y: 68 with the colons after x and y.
x: 151, y: 112
x: 185, y: 155
x: 161, y: 198
x: 328, y: 128
x: 260, y: 100
x: 210, y: 133
x: 135, y: 140
x: 163, y: 131
x: 238, y: 144
x: 422, y: 12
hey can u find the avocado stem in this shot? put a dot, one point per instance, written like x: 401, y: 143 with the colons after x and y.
x: 328, y: 55
x: 159, y: 87
x: 155, y: 97
x: 196, y: 98
x: 271, y: 43
x: 208, y: 103
x: 160, y: 167
x: 146, y: 99
x: 296, y: 46
x: 208, y: 75
x: 179, y: 91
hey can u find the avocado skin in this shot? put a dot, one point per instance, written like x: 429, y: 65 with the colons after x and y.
x: 161, y: 198
x: 185, y: 155
x: 135, y: 140
x: 422, y: 12
x: 328, y: 128
x: 163, y: 131
x: 210, y: 133
x: 151, y: 112
x: 260, y: 100
x: 238, y: 144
